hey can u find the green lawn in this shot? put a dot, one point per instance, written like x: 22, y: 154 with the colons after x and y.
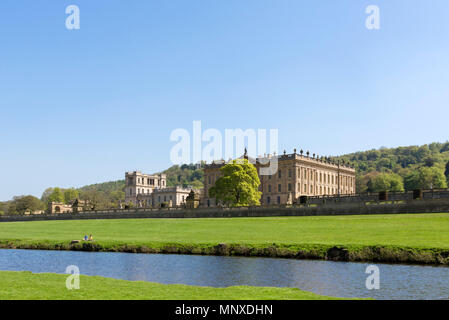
x: 425, y: 236
x: 420, y: 230
x: 30, y: 286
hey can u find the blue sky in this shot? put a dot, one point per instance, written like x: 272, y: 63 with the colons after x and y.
x: 84, y: 106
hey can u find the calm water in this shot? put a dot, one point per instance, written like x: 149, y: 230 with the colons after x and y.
x: 340, y: 279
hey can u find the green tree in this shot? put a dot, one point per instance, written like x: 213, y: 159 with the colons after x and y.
x: 46, y: 194
x: 56, y: 196
x: 386, y: 182
x: 70, y: 195
x: 425, y: 178
x: 28, y: 203
x: 97, y: 199
x: 238, y: 185
x: 22, y: 204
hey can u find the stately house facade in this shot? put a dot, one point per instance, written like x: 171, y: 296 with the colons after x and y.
x: 297, y: 175
x: 144, y: 190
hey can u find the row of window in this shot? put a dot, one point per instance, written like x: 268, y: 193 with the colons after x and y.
x: 309, y: 174
x: 319, y: 190
x: 161, y: 199
x: 149, y: 182
x: 170, y: 198
x: 318, y: 177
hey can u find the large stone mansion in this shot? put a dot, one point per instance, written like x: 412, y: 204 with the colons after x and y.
x: 297, y: 175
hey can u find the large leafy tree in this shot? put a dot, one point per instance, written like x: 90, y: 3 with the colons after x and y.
x: 386, y: 182
x: 70, y: 195
x: 238, y: 185
x: 22, y: 204
x: 56, y: 196
x: 425, y: 178
x: 97, y: 199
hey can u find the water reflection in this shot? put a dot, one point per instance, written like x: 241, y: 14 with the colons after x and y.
x: 339, y: 279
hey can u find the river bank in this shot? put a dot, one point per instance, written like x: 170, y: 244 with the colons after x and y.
x: 383, y: 254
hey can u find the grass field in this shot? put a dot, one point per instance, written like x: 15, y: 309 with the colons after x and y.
x: 424, y: 235
x: 30, y: 286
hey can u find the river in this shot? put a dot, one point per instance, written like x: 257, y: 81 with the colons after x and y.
x: 339, y: 279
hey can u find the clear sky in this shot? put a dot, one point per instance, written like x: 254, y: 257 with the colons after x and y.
x: 83, y: 106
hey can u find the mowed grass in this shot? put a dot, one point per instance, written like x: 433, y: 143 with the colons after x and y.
x: 405, y: 230
x: 45, y: 286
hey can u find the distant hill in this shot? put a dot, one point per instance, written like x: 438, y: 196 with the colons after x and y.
x: 425, y: 166
x: 185, y: 175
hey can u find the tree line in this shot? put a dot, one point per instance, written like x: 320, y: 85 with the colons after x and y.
x: 399, y: 169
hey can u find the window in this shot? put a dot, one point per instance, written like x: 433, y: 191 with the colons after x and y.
x: 269, y: 188
x: 289, y: 187
x: 268, y: 200
x: 165, y: 198
x: 279, y: 174
x: 279, y: 188
x: 148, y: 181
x: 182, y: 198
x: 279, y: 200
x: 171, y: 198
x: 305, y: 188
x: 289, y: 173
